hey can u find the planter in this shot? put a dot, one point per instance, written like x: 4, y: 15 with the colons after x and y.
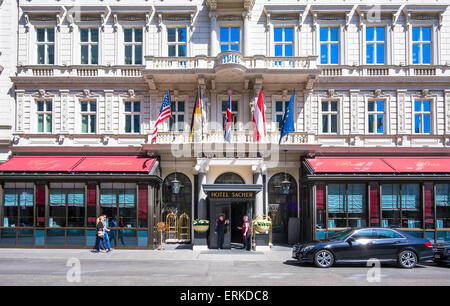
x: 201, y: 228
x: 262, y: 229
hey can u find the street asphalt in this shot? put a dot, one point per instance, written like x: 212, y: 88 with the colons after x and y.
x: 195, y: 268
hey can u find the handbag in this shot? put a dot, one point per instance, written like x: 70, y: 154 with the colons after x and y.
x: 101, y: 234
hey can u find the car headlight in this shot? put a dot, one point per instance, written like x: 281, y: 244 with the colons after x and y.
x: 307, y: 248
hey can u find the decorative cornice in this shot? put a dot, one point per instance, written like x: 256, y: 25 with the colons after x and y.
x: 42, y: 94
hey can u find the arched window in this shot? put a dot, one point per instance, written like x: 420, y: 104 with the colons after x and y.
x: 282, y: 206
x: 181, y: 202
x: 229, y: 178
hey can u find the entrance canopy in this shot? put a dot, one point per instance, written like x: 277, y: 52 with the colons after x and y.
x: 388, y: 165
x: 80, y: 164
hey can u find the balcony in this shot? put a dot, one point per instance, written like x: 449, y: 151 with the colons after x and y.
x: 230, y: 59
x: 78, y: 71
x: 384, y: 71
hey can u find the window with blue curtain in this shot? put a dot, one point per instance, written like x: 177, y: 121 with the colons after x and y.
x: 421, y: 45
x: 356, y: 205
x: 411, y: 204
x: 347, y: 205
x: 329, y: 45
x: 18, y: 207
x: 375, y: 45
x: 119, y: 203
x: 66, y: 202
x: 442, y: 205
x: 336, y: 205
x: 401, y: 205
x: 422, y: 116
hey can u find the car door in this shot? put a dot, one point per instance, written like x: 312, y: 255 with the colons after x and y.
x: 386, y: 244
x: 357, y: 248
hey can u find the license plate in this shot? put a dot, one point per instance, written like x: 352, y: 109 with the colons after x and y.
x: 437, y: 256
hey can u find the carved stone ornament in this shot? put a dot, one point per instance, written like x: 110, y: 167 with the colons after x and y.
x: 425, y: 93
x: 42, y: 94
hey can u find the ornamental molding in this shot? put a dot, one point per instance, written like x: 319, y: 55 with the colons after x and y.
x: 229, y: 18
x: 42, y: 94
x: 401, y: 97
x: 447, y: 110
x: 87, y: 94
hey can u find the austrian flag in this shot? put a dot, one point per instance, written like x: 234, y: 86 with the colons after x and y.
x: 259, y: 119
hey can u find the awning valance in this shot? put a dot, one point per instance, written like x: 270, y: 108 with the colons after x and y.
x: 388, y: 165
x: 80, y: 164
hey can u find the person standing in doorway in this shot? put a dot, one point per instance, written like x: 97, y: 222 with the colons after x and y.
x: 221, y: 230
x: 246, y: 233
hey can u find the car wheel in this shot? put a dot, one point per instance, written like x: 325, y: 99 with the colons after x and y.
x: 324, y: 259
x: 407, y: 259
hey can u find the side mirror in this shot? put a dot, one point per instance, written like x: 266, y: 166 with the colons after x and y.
x: 350, y: 240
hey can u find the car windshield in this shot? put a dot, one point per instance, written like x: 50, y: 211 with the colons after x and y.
x: 341, y: 235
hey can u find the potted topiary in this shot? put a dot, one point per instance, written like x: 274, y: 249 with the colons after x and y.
x: 200, y: 225
x: 262, y: 226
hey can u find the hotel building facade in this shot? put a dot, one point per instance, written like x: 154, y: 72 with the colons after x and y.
x: 82, y: 83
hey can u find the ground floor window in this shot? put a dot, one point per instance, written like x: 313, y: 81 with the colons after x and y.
x: 346, y: 205
x: 118, y: 201
x: 442, y: 205
x: 66, y: 205
x: 401, y: 205
x: 18, y: 205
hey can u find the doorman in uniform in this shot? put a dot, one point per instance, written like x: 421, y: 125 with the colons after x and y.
x: 246, y: 233
x: 221, y: 230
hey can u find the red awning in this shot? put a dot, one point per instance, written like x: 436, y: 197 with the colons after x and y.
x: 347, y: 164
x: 78, y: 164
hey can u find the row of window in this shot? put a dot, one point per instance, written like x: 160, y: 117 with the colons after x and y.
x: 230, y: 40
x: 70, y: 207
x: 330, y: 116
x: 400, y: 205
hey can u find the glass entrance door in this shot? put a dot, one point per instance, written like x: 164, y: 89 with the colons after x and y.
x: 217, y: 209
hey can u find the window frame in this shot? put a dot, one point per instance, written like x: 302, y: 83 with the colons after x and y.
x: 46, y: 44
x: 89, y: 113
x: 90, y: 44
x: 45, y: 113
x: 375, y: 113
x: 234, y: 114
x: 230, y: 43
x: 176, y: 113
x: 132, y: 113
x: 66, y: 190
x: 329, y: 43
x: 421, y: 42
x: 329, y: 113
x: 375, y: 42
x: 176, y: 43
x: 421, y: 113
x: 283, y: 42
x: 133, y: 45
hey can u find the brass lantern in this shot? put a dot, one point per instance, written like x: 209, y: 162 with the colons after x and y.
x: 176, y: 186
x: 285, y: 186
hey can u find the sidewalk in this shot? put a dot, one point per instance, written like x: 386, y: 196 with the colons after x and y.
x: 277, y: 254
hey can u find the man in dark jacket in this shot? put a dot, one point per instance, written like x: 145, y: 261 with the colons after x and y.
x: 221, y: 229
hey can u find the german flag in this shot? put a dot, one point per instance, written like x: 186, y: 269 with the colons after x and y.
x: 196, y: 115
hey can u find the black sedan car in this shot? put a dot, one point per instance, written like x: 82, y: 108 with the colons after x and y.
x: 442, y: 254
x: 360, y: 245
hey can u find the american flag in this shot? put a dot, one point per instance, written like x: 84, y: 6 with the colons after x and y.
x: 164, y: 113
x: 229, y: 119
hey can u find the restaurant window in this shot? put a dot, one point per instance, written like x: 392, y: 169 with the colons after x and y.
x: 234, y: 114
x: 18, y: 210
x: 133, y: 117
x: 375, y: 114
x: 330, y: 115
x: 283, y: 41
x: 44, y: 116
x: 89, y: 46
x: 176, y: 42
x: 400, y: 205
x: 229, y: 39
x: 66, y: 205
x: 118, y: 200
x: 329, y: 45
x: 280, y: 110
x: 177, y: 203
x: 375, y: 45
x: 282, y: 207
x: 89, y: 117
x: 133, y: 38
x: 347, y: 205
x: 45, y: 43
x: 442, y: 205
x: 421, y: 45
x: 320, y: 206
x: 177, y: 119
x: 422, y: 116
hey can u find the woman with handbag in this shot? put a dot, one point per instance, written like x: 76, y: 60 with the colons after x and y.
x: 100, y: 237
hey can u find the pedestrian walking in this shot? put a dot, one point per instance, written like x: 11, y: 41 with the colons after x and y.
x: 100, y: 235
x: 112, y: 233
x: 246, y: 233
x: 106, y: 237
x: 221, y: 230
